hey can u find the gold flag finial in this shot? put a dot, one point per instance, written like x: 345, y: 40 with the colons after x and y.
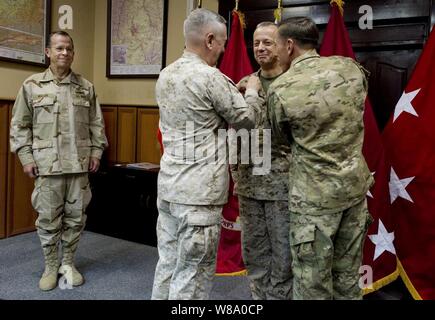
x: 339, y: 3
x: 199, y: 4
x: 237, y: 5
x: 277, y: 13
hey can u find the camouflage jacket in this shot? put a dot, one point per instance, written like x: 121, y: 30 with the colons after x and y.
x: 272, y: 186
x: 317, y: 108
x: 57, y: 125
x: 196, y: 103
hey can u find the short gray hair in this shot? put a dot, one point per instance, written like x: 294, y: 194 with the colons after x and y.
x: 265, y: 24
x: 198, y: 19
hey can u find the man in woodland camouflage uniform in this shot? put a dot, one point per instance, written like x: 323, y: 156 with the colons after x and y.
x: 195, y: 101
x: 316, y: 107
x: 57, y: 130
x: 263, y: 204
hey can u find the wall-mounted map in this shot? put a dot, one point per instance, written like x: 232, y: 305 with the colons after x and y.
x: 136, y: 37
x: 24, y: 28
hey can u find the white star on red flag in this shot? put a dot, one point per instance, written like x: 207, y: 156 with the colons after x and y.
x: 383, y: 241
x: 405, y: 105
x: 398, y: 187
x: 369, y: 194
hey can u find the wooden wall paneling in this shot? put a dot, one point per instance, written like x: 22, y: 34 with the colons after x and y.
x: 390, y: 71
x: 126, y: 144
x: 148, y: 148
x: 432, y: 16
x: 272, y: 4
x: 393, y: 80
x: 388, y: 35
x: 384, y: 12
x: 110, y: 115
x: 20, y: 214
x: 4, y: 118
x: 382, y: 9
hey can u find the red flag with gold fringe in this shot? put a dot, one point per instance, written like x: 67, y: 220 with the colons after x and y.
x: 235, y: 64
x: 410, y: 145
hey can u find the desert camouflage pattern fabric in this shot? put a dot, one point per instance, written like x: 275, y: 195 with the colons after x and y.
x: 188, y: 238
x: 272, y: 186
x: 266, y: 248
x: 57, y: 124
x: 327, y: 253
x: 61, y: 202
x: 317, y: 108
x: 195, y: 101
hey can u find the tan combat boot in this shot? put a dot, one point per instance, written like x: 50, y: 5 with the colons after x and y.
x: 68, y: 269
x: 49, y: 277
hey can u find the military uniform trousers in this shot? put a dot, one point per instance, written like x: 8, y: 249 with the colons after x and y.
x: 61, y: 201
x: 266, y: 247
x: 327, y: 253
x: 188, y: 238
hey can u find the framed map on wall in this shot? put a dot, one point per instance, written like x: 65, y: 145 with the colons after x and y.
x: 24, y: 28
x: 136, y: 38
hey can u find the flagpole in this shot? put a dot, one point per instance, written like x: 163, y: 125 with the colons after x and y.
x: 240, y: 15
x: 199, y: 4
x: 277, y: 13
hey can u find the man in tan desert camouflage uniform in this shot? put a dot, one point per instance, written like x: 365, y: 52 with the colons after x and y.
x: 57, y: 130
x: 263, y: 199
x: 196, y: 100
x: 317, y: 108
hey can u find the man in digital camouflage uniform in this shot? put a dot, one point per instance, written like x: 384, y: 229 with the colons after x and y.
x: 195, y: 101
x: 317, y: 107
x: 263, y: 199
x: 57, y: 130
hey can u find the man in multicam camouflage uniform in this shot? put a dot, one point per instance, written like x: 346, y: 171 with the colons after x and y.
x: 317, y: 108
x: 195, y: 101
x: 57, y: 130
x: 263, y: 204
